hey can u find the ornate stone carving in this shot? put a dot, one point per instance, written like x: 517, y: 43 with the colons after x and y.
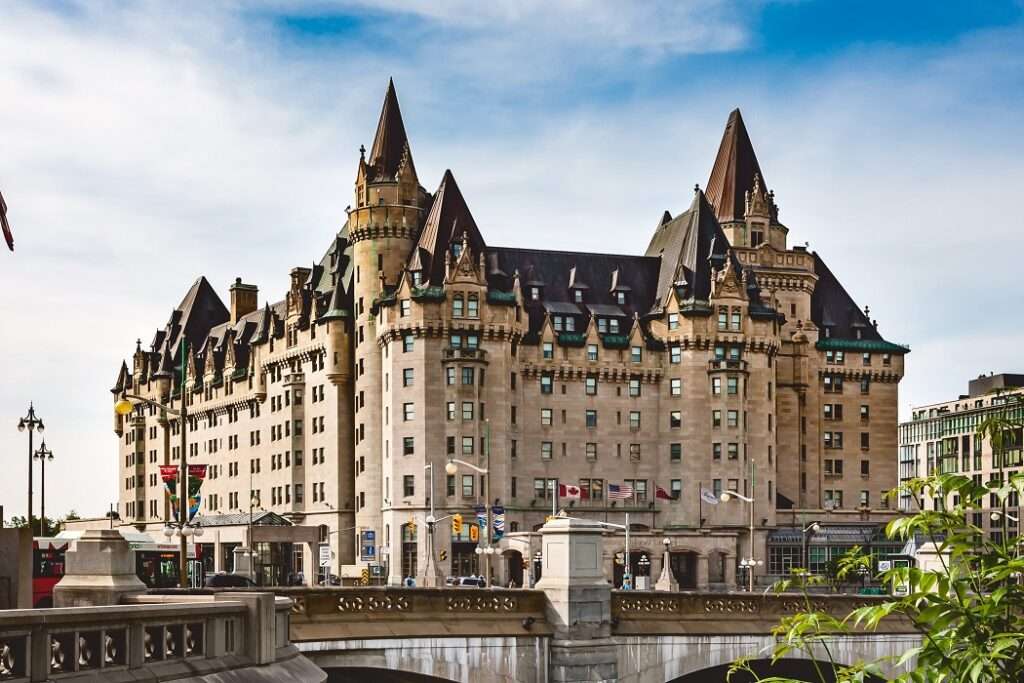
x: 731, y: 606
x: 496, y: 603
x: 649, y: 605
x: 373, y: 603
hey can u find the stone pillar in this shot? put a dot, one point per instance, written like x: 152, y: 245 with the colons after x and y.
x: 242, y: 562
x: 578, y: 602
x: 730, y: 572
x: 99, y: 570
x: 666, y: 581
x: 702, y: 572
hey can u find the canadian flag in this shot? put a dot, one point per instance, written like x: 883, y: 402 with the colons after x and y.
x: 569, y: 491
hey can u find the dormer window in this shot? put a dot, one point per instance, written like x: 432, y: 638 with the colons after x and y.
x: 417, y: 278
x: 563, y: 323
x: 620, y: 298
x: 535, y: 293
x: 456, y: 249
x: 457, y: 306
x: 756, y: 236
x: 577, y: 295
x: 473, y: 306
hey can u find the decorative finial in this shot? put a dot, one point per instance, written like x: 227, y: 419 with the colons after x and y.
x: 138, y: 344
x: 867, y: 311
x: 696, y: 188
x: 362, y: 152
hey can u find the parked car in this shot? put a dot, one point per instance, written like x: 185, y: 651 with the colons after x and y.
x: 466, y: 581
x: 229, y: 581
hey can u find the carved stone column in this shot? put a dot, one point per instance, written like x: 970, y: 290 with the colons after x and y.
x: 730, y: 571
x: 702, y: 572
x: 578, y: 602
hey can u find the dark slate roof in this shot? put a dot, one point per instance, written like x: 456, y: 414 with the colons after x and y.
x: 448, y: 221
x: 734, y: 170
x: 833, y: 307
x: 199, y: 311
x: 552, y: 268
x: 124, y: 379
x: 687, y: 245
x: 390, y: 144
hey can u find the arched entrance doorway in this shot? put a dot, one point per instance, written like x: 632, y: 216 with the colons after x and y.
x: 362, y: 674
x: 790, y: 669
x: 514, y: 568
x: 684, y: 568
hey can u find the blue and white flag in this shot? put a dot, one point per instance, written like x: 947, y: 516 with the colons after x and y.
x: 499, y: 521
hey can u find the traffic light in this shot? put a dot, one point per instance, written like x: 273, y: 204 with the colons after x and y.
x: 412, y: 527
x: 456, y: 524
x: 474, y: 533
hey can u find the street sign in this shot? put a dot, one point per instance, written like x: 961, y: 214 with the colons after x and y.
x: 884, y: 565
x: 325, y: 555
x: 376, y: 570
x: 367, y: 545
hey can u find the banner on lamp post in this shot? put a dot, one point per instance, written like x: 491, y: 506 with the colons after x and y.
x: 196, y: 476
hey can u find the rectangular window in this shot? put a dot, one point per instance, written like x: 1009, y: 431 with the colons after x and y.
x: 408, y: 445
x: 865, y: 468
x: 451, y: 410
x: 634, y: 420
x: 546, y: 416
x: 591, y: 417
x: 723, y: 318
x: 546, y: 449
x: 467, y: 445
x: 635, y: 354
x: 716, y: 386
x: 733, y: 418
x: 733, y: 384
x: 634, y: 387
x: 450, y: 485
x: 546, y: 384
x: 408, y: 412
x: 865, y: 385
x: 716, y: 418
x: 467, y: 410
x: 716, y: 451
x: 865, y: 413
x: 865, y: 440
x: 865, y: 499
x: 634, y: 452
x: 675, y: 419
x: 538, y: 488
x: 407, y: 343
x: 591, y: 386
x: 675, y: 354
x: 468, y: 484
x: 409, y: 485
x: 673, y: 321
x: 591, y: 451
x: 676, y: 387
x: 592, y: 352
x: 450, y: 443
x: 468, y: 376
x: 407, y: 374
x: 734, y: 451
x: 548, y: 350
x: 734, y: 323
x: 675, y: 452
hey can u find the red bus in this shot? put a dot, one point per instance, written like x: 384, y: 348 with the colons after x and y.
x: 156, y: 564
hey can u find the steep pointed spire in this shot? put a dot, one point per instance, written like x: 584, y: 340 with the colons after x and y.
x: 734, y: 172
x: 124, y: 379
x: 390, y: 145
x: 449, y: 221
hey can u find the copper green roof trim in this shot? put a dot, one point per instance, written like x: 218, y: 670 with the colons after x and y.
x: 615, y: 341
x: 860, y: 345
x: 428, y: 294
x: 571, y: 339
x: 496, y: 296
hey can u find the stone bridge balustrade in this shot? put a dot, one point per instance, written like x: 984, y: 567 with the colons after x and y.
x: 159, y: 638
x: 333, y: 613
x: 654, y: 613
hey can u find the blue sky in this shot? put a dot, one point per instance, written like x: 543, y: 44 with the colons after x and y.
x: 142, y: 147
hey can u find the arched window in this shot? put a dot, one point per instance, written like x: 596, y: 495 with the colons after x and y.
x: 457, y: 306
x: 473, y: 306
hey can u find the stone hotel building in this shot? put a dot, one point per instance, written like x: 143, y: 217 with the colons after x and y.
x: 720, y: 357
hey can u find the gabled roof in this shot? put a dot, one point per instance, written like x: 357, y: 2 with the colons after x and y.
x: 390, y: 144
x: 834, y: 308
x: 124, y: 379
x: 201, y: 309
x: 734, y: 170
x: 686, y: 245
x: 448, y: 221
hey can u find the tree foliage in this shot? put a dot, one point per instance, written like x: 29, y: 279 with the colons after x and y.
x: 968, y: 610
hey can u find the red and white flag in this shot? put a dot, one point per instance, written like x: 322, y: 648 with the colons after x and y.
x: 4, y: 225
x: 662, y: 493
x: 569, y: 491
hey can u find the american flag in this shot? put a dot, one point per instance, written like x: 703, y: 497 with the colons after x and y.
x: 620, y: 491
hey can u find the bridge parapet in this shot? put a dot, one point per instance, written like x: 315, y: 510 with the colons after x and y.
x: 685, y: 613
x: 338, y: 613
x: 229, y: 638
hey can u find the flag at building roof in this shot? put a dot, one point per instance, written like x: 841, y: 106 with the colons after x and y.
x: 708, y: 497
x: 619, y: 491
x: 8, y: 237
x: 662, y: 493
x: 569, y: 491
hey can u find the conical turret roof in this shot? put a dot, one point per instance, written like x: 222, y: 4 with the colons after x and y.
x: 448, y: 221
x: 733, y: 173
x: 390, y: 144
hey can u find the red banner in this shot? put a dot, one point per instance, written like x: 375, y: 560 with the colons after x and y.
x: 168, y: 473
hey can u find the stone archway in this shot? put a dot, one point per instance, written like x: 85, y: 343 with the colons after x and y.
x: 360, y: 674
x: 514, y: 572
x: 684, y: 568
x: 793, y: 669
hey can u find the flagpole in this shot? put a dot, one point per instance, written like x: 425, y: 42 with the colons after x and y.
x: 554, y: 500
x: 700, y: 505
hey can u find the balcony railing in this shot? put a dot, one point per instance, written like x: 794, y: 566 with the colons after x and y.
x: 726, y: 364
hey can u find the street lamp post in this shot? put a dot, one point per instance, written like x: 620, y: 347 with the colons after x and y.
x: 452, y: 468
x: 124, y: 407
x: 748, y: 563
x: 808, y: 530
x: 42, y: 455
x: 430, y: 578
x: 32, y: 423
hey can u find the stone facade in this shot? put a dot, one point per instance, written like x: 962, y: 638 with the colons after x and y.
x: 721, y: 358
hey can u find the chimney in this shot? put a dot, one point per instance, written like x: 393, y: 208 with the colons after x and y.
x: 243, y: 299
